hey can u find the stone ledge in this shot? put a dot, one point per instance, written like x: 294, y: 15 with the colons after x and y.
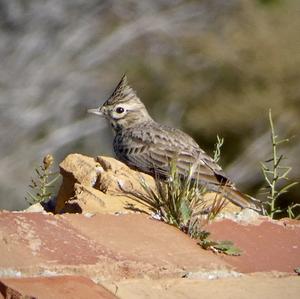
x: 106, y: 247
x: 267, y: 245
x: 60, y: 287
x: 245, y: 287
x: 140, y: 257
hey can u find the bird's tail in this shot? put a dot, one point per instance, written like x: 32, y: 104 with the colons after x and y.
x: 240, y: 199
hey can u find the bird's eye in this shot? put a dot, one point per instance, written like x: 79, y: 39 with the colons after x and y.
x: 120, y: 110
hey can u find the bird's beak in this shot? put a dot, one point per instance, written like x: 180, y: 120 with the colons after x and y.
x: 96, y: 111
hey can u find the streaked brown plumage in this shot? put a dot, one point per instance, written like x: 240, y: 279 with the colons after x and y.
x: 143, y: 144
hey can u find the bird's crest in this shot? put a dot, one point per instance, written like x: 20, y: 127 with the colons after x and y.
x: 122, y: 93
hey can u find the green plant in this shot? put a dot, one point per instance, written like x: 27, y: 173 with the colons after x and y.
x: 180, y: 201
x: 225, y: 246
x: 275, y: 174
x: 43, y: 184
x: 175, y: 201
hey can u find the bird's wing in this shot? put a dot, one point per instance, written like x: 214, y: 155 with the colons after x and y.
x: 153, y: 150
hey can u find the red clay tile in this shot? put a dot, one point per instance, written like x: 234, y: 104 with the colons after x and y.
x: 110, y: 247
x: 101, y: 246
x: 267, y: 246
x: 43, y: 238
x: 60, y: 287
x: 138, y: 238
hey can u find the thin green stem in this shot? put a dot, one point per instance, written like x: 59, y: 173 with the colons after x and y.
x: 274, y: 150
x: 43, y: 183
x: 274, y: 175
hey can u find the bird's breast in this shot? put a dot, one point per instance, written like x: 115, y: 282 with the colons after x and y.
x: 122, y: 145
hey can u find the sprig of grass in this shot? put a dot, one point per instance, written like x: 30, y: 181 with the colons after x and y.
x: 43, y: 184
x: 274, y: 174
x: 225, y: 246
x: 174, y: 201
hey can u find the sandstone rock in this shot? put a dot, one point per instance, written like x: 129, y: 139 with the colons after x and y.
x: 109, y: 244
x: 75, y: 169
x: 266, y: 244
x: 100, y: 246
x: 97, y: 185
x: 64, y: 287
x: 90, y: 200
x: 245, y: 287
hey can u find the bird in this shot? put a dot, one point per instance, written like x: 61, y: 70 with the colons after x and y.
x: 147, y: 146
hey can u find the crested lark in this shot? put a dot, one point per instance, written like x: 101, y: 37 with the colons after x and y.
x: 145, y: 145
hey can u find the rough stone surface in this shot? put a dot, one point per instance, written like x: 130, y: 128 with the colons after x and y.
x: 60, y: 287
x: 246, y: 287
x: 137, y: 257
x: 266, y: 245
x: 142, y: 240
x: 97, y: 185
x: 106, y: 247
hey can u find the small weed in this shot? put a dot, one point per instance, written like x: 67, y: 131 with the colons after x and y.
x: 175, y: 201
x: 225, y: 246
x: 42, y: 185
x: 275, y: 174
x: 228, y: 248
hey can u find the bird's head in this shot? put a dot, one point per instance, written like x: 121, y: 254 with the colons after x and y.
x: 123, y: 109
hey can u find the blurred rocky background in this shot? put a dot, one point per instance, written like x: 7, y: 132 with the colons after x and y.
x: 209, y: 67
